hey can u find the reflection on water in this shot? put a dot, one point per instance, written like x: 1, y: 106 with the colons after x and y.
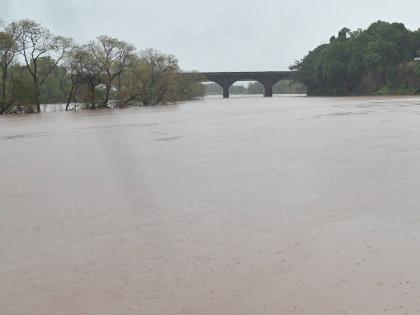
x: 250, y: 205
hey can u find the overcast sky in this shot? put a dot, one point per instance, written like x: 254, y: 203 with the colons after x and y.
x: 217, y: 35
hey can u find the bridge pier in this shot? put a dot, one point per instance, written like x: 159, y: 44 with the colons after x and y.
x: 226, y: 91
x: 268, y: 90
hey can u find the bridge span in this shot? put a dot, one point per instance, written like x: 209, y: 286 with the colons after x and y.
x: 266, y: 78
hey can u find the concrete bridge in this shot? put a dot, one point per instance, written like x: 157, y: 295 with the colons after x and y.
x: 266, y: 78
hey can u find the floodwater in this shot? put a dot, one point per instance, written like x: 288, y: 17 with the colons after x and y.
x: 245, y: 206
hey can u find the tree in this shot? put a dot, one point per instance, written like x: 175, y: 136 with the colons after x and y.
x: 38, y: 67
x: 114, y: 56
x: 154, y: 78
x: 20, y: 92
x: 157, y: 74
x: 8, y: 51
x: 36, y: 42
x: 342, y: 34
x: 255, y: 88
x: 388, y: 46
x: 75, y: 72
x: 92, y: 73
x: 361, y: 62
x: 189, y: 86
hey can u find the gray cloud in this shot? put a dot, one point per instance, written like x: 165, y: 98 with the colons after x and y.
x: 225, y: 35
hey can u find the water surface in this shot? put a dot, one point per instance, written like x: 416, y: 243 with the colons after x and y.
x: 251, y: 205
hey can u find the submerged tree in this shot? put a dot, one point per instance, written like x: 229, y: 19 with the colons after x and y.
x: 154, y: 78
x: 93, y: 74
x: 8, y: 50
x: 74, y: 73
x: 36, y: 42
x: 157, y: 72
x: 114, y: 56
x: 189, y: 86
x: 38, y: 67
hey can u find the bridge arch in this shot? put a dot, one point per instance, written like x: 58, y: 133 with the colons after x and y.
x: 227, y: 79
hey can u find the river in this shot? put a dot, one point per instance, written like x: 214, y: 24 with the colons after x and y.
x: 243, y: 206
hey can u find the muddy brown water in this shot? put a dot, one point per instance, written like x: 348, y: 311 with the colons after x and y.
x: 289, y: 205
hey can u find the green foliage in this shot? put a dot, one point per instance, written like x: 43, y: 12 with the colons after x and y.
x: 289, y: 87
x: 212, y: 89
x: 154, y: 78
x: 371, y: 61
x: 106, y: 72
x: 189, y: 87
x: 256, y: 88
x: 51, y: 90
x: 20, y: 92
x: 238, y: 89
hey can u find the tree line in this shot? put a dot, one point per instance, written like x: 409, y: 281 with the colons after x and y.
x: 377, y: 60
x: 38, y: 67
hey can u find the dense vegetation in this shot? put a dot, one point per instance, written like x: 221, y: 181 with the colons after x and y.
x: 37, y: 67
x: 282, y: 87
x: 378, y: 60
